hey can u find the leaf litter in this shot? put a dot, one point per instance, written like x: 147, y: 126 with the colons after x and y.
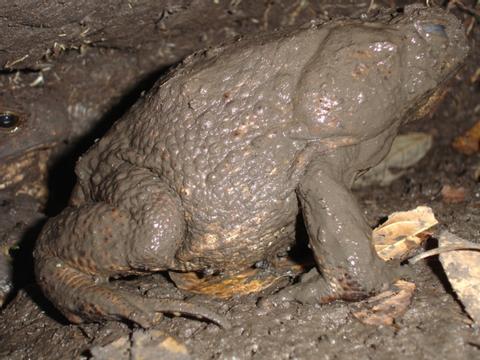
x: 403, y: 232
x: 407, y: 149
x: 395, y: 239
x: 468, y: 143
x: 398, y: 238
x: 460, y: 260
x: 142, y: 345
x: 385, y: 307
x: 453, y: 195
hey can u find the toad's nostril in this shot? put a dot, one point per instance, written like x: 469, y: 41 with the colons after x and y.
x: 8, y: 120
x: 435, y: 29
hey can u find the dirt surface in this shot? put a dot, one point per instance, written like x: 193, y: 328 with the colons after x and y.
x: 434, y: 326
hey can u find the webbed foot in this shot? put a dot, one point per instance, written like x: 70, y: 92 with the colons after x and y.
x: 149, y: 311
x: 314, y: 288
x: 81, y: 297
x: 102, y: 303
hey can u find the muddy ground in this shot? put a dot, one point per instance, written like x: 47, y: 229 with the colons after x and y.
x: 435, y: 324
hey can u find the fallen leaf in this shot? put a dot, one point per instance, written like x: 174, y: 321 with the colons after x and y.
x: 173, y: 346
x: 403, y: 232
x: 223, y: 286
x: 155, y: 344
x: 476, y: 173
x: 469, y: 143
x: 249, y: 281
x: 387, y: 306
x: 453, y: 195
x: 142, y: 345
x: 118, y: 349
x: 475, y: 77
x: 407, y: 150
x: 462, y: 268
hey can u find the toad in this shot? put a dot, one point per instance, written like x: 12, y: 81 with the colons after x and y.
x: 209, y: 170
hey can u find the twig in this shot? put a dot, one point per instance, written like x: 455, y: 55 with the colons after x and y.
x: 443, y: 249
x: 10, y: 64
x: 465, y: 8
x: 371, y: 6
x: 266, y: 14
x: 298, y: 9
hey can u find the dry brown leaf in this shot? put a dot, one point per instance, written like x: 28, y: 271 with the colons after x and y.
x: 453, y: 195
x: 476, y: 173
x: 463, y: 271
x: 142, y: 345
x: 222, y: 286
x: 173, y: 346
x: 116, y: 350
x: 407, y: 150
x: 475, y: 77
x: 387, y: 306
x: 155, y: 344
x: 469, y: 143
x: 403, y: 232
x: 243, y: 283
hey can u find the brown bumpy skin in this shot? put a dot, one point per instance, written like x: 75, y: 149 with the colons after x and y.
x: 208, y: 172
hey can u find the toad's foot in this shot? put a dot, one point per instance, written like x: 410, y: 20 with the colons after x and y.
x: 85, y: 298
x: 148, y: 311
x: 313, y: 288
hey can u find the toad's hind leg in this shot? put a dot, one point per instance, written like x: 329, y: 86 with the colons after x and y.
x: 340, y: 239
x: 135, y: 226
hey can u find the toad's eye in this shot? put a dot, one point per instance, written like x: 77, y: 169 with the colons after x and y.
x: 9, y: 120
x: 435, y: 29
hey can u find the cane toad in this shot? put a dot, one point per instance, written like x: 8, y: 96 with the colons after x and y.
x: 210, y: 169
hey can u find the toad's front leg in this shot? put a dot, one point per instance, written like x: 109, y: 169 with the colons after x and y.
x: 131, y: 223
x: 340, y: 239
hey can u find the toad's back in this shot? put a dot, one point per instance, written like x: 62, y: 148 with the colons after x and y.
x: 229, y: 132
x: 214, y: 131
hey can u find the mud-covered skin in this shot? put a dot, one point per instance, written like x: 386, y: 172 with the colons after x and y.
x: 31, y: 125
x: 33, y: 121
x: 19, y: 216
x: 207, y: 172
x: 42, y: 121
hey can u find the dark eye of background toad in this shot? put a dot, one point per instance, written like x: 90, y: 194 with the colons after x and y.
x: 8, y: 120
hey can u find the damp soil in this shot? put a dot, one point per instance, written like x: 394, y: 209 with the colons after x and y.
x: 435, y: 324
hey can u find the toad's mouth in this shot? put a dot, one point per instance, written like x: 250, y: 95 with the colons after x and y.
x: 329, y: 143
x: 427, y: 105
